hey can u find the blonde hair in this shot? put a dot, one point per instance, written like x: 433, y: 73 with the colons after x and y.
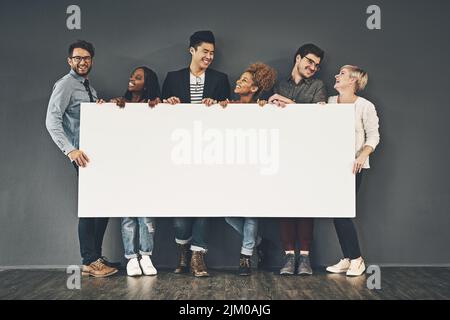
x: 359, y: 74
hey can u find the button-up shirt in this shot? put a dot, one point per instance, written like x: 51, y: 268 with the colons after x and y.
x: 309, y: 90
x: 63, y: 112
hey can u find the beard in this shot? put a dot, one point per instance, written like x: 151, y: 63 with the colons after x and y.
x: 82, y: 73
x: 305, y: 73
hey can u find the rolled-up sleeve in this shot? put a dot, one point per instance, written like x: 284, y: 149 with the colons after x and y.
x: 371, y: 125
x: 59, y: 101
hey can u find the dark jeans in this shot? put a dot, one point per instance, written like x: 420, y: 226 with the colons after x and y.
x: 346, y: 231
x: 191, y: 230
x: 90, y: 235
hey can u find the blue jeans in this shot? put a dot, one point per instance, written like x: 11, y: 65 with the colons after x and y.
x: 248, y: 229
x: 191, y: 230
x: 146, y: 231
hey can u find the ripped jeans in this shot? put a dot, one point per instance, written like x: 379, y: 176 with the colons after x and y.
x: 130, y: 228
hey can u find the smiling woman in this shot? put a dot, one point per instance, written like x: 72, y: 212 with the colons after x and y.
x: 257, y: 78
x: 143, y: 86
x: 350, y: 80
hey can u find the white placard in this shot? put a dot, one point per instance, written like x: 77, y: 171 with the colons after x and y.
x: 193, y: 160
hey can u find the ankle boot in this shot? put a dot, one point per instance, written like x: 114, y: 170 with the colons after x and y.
x: 185, y: 258
x: 244, y: 265
x: 198, y: 266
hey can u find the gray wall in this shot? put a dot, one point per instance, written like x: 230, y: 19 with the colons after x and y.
x: 403, y: 207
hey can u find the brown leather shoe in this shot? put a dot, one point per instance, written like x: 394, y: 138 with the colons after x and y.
x: 198, y: 266
x: 98, y: 269
x: 185, y: 259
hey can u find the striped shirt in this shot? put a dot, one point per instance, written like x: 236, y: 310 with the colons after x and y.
x: 196, y: 87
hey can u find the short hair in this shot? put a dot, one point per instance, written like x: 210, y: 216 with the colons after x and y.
x: 83, y: 45
x: 263, y: 76
x: 359, y: 74
x: 309, y: 48
x: 198, y: 37
x: 151, y: 89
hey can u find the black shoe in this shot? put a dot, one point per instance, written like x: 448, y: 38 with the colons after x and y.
x: 244, y: 265
x: 262, y: 252
x: 105, y: 261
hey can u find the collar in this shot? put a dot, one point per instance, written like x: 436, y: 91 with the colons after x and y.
x: 76, y: 76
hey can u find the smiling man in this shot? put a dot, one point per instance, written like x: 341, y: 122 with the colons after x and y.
x: 300, y: 87
x: 63, y: 124
x: 196, y: 84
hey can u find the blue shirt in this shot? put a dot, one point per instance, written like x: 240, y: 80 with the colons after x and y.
x: 63, y: 112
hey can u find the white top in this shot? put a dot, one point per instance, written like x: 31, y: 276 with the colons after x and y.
x: 366, y: 125
x: 196, y: 87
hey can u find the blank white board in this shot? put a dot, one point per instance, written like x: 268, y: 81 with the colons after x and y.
x: 193, y: 160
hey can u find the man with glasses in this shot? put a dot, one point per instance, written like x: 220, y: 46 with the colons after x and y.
x: 63, y: 124
x: 300, y: 87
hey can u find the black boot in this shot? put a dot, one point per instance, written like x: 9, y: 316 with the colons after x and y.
x: 244, y: 265
x: 262, y: 250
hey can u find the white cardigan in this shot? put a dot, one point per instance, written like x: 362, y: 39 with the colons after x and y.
x: 366, y: 125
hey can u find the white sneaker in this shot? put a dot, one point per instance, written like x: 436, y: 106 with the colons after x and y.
x: 133, y: 268
x: 340, y: 267
x: 357, y: 268
x: 147, y: 266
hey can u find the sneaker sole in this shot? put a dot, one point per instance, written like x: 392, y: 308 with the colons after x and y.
x: 355, y: 275
x: 286, y: 274
x: 336, y: 271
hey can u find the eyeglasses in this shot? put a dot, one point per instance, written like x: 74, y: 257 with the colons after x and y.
x: 78, y: 59
x: 312, y: 63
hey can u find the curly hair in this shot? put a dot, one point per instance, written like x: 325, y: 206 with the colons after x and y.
x: 263, y: 76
